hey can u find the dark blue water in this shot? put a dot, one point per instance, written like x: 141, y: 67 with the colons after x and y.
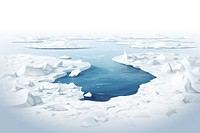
x: 104, y: 83
x: 106, y: 78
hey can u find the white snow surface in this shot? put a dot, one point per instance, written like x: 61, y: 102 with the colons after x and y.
x: 59, y: 45
x: 177, y: 85
x: 35, y: 74
x: 28, y: 40
x: 158, y: 43
x: 161, y: 45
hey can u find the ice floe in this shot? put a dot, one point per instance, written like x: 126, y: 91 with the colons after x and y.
x: 65, y: 57
x: 75, y: 73
x: 88, y: 94
x: 157, y: 42
x: 22, y: 39
x: 59, y: 45
x: 161, y: 45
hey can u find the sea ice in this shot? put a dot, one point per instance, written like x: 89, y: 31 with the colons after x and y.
x: 75, y: 73
x: 88, y: 94
x: 28, y: 40
x: 175, y: 85
x: 157, y: 43
x: 31, y: 84
x: 33, y: 71
x: 189, y: 88
x: 166, y: 68
x: 65, y: 57
x: 33, y: 100
x: 174, y: 74
x: 58, y: 45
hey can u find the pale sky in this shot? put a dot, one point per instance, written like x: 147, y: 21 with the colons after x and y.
x: 99, y: 15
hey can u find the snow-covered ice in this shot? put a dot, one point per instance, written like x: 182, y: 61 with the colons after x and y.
x: 157, y: 43
x: 88, y: 94
x: 75, y: 73
x: 177, y: 84
x: 162, y: 45
x: 65, y: 57
x: 35, y: 76
x: 59, y: 45
x: 28, y: 40
x: 33, y: 100
x: 28, y: 79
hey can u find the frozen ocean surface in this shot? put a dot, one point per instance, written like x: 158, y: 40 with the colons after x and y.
x: 188, y: 123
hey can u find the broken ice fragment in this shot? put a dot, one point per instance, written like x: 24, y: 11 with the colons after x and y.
x: 167, y: 68
x: 33, y: 100
x: 65, y: 57
x: 125, y: 56
x: 31, y: 84
x: 75, y: 73
x: 189, y: 88
x: 88, y: 94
